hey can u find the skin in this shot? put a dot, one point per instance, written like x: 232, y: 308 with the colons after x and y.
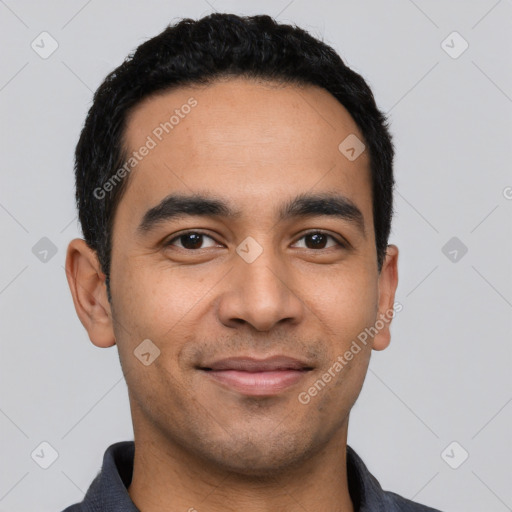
x: 199, y: 445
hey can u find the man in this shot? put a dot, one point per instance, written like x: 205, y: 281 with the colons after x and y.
x: 234, y: 186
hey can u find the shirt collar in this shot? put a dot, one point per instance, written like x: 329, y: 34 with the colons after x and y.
x: 108, y: 490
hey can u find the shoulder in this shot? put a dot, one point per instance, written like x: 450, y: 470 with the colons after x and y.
x: 74, y: 508
x: 397, y: 503
x: 368, y: 495
x: 108, y: 490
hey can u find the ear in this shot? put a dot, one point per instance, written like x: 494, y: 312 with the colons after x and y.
x: 87, y: 284
x: 388, y: 281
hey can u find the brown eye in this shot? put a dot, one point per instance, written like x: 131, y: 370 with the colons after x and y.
x: 319, y: 240
x: 192, y: 240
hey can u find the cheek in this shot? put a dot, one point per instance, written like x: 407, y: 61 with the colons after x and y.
x: 344, y: 301
x: 159, y: 304
x: 345, y: 307
x: 154, y: 305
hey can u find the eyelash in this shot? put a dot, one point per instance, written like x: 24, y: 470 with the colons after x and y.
x: 315, y: 232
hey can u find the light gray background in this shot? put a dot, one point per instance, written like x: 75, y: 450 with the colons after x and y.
x: 446, y: 376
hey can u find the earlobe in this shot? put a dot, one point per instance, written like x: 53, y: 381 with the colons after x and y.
x: 388, y: 282
x: 87, y: 285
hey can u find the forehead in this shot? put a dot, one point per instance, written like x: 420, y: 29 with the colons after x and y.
x: 252, y: 142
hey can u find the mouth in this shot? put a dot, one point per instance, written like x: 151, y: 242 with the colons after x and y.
x: 257, y: 377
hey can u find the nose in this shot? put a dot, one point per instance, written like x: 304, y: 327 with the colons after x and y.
x: 260, y: 294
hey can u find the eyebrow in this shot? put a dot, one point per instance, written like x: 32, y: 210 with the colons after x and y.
x: 176, y: 206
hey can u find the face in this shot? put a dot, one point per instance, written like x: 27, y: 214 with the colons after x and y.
x: 256, y: 268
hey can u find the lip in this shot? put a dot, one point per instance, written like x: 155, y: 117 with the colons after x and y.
x: 257, y: 377
x: 252, y: 364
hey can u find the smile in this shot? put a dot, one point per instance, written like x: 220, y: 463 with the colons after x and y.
x: 254, y: 377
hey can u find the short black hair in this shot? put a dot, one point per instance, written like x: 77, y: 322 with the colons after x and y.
x: 198, y: 52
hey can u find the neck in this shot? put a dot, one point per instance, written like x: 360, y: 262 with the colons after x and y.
x: 168, y: 477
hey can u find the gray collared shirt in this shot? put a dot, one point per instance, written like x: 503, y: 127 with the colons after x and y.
x: 108, y: 491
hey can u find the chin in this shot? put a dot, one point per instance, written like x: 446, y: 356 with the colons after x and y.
x: 262, y: 458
